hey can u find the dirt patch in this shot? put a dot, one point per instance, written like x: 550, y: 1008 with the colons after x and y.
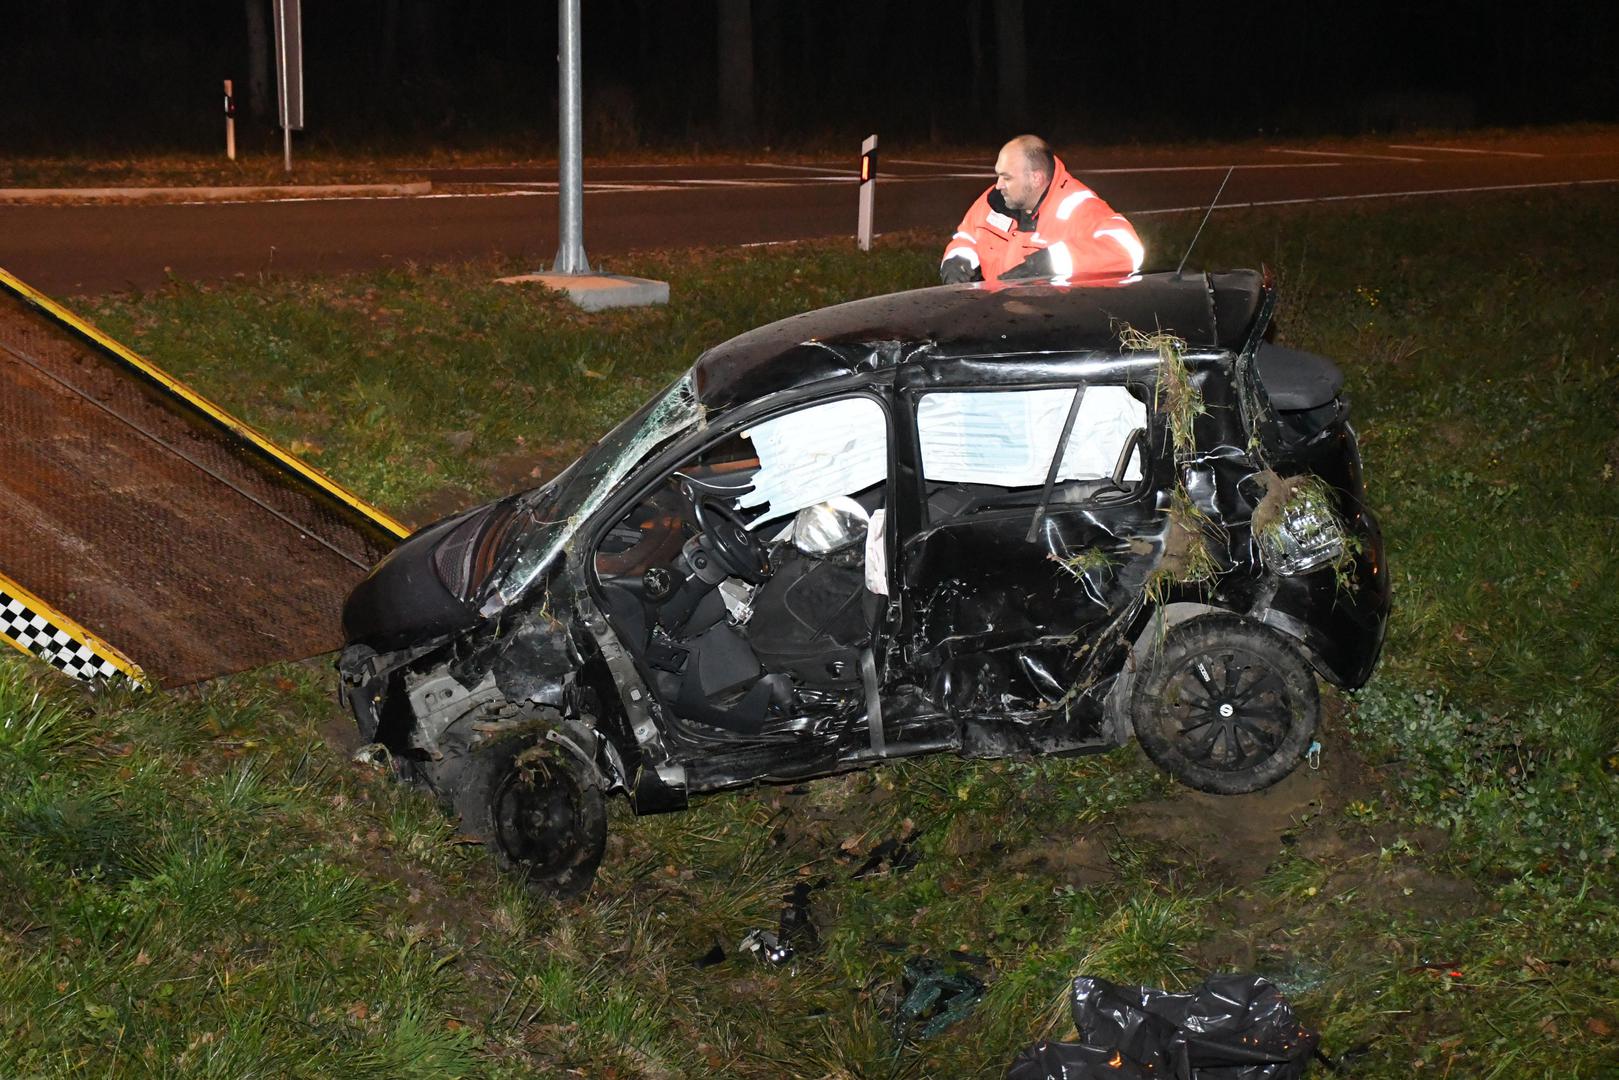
x: 1234, y: 839
x: 1293, y: 849
x: 1080, y: 862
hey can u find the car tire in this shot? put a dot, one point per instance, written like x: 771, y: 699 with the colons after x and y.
x: 539, y: 807
x: 1225, y: 705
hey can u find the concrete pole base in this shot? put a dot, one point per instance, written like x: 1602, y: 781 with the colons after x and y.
x: 597, y: 292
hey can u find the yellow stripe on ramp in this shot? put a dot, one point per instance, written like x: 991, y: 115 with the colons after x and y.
x: 198, y: 402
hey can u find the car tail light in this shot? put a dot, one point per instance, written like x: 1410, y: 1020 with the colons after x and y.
x: 1306, y: 535
x: 466, y: 557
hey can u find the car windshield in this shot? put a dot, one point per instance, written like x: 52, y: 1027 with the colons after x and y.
x: 556, y: 509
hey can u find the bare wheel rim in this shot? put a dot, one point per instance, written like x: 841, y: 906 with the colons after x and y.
x: 537, y: 817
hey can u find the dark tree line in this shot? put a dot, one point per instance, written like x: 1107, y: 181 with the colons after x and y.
x: 109, y: 73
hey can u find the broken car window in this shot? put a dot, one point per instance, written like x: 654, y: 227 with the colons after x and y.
x: 558, y: 508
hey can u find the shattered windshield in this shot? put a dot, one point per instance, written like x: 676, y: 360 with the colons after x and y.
x: 557, y: 508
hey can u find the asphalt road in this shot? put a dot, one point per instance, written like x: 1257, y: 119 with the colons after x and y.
x: 80, y: 249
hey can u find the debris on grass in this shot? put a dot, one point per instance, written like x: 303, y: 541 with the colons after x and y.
x: 766, y: 947
x: 1236, y: 1026
x: 936, y: 997
x: 894, y: 855
x: 796, y: 929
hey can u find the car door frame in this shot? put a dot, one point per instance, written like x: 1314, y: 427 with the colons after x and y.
x: 1077, y: 724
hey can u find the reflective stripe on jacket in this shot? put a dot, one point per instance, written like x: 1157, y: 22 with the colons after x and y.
x: 1075, y: 234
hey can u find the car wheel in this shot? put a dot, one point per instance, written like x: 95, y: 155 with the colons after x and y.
x: 1225, y: 705
x: 540, y: 808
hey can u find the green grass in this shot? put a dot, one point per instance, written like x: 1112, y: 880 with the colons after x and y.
x: 198, y: 884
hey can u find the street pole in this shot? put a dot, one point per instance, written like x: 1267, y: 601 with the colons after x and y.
x: 571, y: 179
x: 289, y: 59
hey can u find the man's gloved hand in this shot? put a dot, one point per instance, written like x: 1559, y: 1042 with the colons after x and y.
x: 1037, y: 265
x: 957, y: 270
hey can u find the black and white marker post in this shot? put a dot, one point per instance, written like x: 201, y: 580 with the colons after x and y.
x: 868, y: 190
x: 230, y: 122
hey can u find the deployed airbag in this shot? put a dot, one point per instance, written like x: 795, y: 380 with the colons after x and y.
x: 1007, y: 437
x: 810, y: 456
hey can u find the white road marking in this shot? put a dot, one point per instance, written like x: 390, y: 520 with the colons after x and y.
x: 987, y: 170
x: 1217, y: 168
x: 1343, y: 153
x: 1375, y: 195
x: 1464, y: 150
x: 775, y: 181
x: 803, y: 168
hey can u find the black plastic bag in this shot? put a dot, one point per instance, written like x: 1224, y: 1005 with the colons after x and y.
x: 1233, y: 1027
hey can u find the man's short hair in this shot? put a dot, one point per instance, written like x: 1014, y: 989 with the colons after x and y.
x: 1037, y: 154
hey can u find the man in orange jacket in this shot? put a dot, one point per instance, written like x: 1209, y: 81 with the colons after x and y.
x: 1038, y: 222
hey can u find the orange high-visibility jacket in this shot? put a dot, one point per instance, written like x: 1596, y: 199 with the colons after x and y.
x: 1078, y: 233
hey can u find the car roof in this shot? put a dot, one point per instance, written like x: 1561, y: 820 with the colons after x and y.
x: 1207, y: 310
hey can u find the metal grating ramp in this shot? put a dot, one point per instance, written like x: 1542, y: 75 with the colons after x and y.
x: 133, y: 508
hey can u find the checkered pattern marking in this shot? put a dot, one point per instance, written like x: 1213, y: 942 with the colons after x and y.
x: 47, y: 641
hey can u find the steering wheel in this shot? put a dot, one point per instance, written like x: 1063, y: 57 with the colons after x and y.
x: 730, y: 541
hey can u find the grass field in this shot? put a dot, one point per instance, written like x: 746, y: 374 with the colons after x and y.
x: 203, y: 884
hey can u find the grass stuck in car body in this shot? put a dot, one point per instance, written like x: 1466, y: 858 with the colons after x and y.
x: 202, y: 884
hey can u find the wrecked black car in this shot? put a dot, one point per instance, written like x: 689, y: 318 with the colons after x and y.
x: 992, y: 520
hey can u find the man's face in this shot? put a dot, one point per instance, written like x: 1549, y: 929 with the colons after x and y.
x: 1019, y: 185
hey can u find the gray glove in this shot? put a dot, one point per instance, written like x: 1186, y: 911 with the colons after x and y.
x: 956, y: 270
x: 1037, y: 265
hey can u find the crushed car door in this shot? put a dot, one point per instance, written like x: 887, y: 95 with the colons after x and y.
x: 1035, y: 503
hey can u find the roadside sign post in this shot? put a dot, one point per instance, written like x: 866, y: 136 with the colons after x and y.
x: 230, y: 122
x: 571, y: 172
x: 868, y: 191
x: 289, y: 62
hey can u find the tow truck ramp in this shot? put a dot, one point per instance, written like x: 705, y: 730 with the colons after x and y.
x: 145, y: 532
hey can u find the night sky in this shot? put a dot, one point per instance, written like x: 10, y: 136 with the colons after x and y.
x: 138, y: 74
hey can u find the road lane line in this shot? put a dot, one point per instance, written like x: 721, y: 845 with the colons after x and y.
x: 1344, y: 153
x: 1464, y: 150
x: 1218, y: 168
x: 1374, y: 195
x: 941, y: 164
x: 802, y: 168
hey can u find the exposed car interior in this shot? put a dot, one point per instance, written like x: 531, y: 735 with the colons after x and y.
x: 741, y: 579
x: 750, y: 579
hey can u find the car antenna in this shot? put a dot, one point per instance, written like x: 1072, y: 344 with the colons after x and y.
x: 1206, y: 215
